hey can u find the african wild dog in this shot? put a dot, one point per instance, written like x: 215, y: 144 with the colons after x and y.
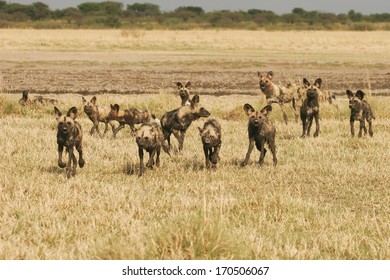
x: 178, y: 120
x: 130, y: 117
x: 323, y: 96
x: 69, y: 135
x: 211, y: 140
x: 278, y: 94
x: 149, y: 137
x: 26, y: 100
x: 360, y: 111
x: 310, y: 108
x: 260, y: 131
x: 184, y: 93
x: 97, y: 114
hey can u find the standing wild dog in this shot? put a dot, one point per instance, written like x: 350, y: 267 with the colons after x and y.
x: 310, y: 108
x: 178, y: 120
x: 260, y: 131
x: 211, y: 140
x: 130, y: 117
x: 184, y: 93
x: 278, y: 94
x: 360, y: 111
x: 26, y: 100
x: 149, y: 137
x: 69, y: 135
x: 97, y: 114
x: 323, y: 96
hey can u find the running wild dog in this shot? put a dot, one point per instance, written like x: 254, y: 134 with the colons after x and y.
x: 69, y: 135
x: 360, y: 111
x: 130, y: 117
x: 97, y: 114
x: 278, y: 94
x: 310, y: 108
x: 26, y: 100
x: 178, y: 120
x: 211, y: 140
x: 184, y: 93
x: 149, y: 137
x: 260, y: 131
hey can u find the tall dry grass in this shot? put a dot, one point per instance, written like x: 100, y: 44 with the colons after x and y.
x: 328, y: 198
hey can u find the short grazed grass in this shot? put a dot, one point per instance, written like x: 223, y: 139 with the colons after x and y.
x: 328, y: 198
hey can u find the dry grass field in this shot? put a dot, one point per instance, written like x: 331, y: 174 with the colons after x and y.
x: 328, y: 197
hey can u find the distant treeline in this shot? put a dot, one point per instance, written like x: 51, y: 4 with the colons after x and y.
x: 111, y: 14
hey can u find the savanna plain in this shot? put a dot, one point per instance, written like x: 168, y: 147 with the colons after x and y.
x: 328, y: 197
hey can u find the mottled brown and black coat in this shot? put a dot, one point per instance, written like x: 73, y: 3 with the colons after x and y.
x: 360, y: 111
x: 26, y: 100
x: 184, y: 93
x: 211, y: 140
x: 70, y: 136
x: 97, y: 114
x: 130, y: 117
x: 176, y: 122
x: 310, y: 108
x: 149, y: 137
x: 261, y: 130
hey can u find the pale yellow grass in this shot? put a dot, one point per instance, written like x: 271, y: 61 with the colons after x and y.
x: 116, y: 46
x: 328, y: 198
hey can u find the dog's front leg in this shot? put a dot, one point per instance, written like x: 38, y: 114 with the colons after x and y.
x: 207, y: 156
x: 248, y: 153
x: 262, y: 152
x: 317, y: 132
x: 151, y: 159
x: 141, y: 161
x: 61, y: 164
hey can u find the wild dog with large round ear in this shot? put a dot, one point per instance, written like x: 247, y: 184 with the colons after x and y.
x: 260, y: 131
x: 184, y: 93
x: 149, y: 137
x: 97, y: 114
x: 177, y: 121
x: 278, y: 94
x: 360, y: 111
x: 130, y: 117
x: 210, y: 135
x: 310, y: 108
x: 69, y: 135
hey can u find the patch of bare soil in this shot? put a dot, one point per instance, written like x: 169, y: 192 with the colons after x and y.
x: 103, y: 79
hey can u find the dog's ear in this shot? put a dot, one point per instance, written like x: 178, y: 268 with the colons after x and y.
x: 112, y: 107
x: 270, y: 74
x: 266, y: 110
x: 25, y: 94
x: 84, y: 100
x: 72, y: 113
x: 188, y: 84
x: 360, y: 94
x: 57, y: 112
x: 93, y: 100
x: 116, y: 107
x: 179, y: 85
x: 248, y: 109
x: 259, y: 74
x: 318, y: 83
x: 306, y: 82
x: 195, y: 100
x: 349, y: 93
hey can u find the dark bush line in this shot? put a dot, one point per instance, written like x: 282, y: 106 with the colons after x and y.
x: 111, y: 14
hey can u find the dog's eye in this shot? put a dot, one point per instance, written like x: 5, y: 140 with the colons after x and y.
x: 68, y: 123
